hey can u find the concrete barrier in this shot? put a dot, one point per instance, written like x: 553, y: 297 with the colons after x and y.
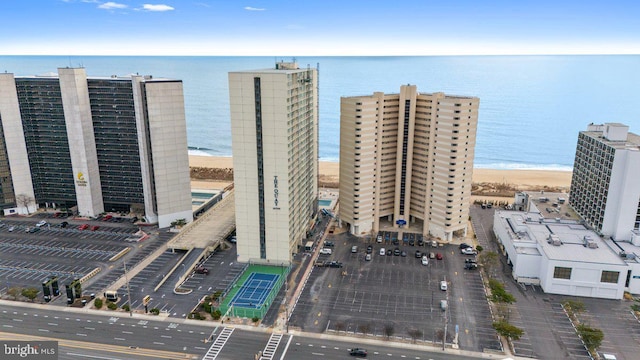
x: 120, y: 254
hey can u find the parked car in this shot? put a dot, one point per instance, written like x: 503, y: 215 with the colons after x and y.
x: 468, y: 251
x: 83, y: 227
x: 95, y: 227
x: 11, y: 228
x: 383, y: 251
x: 107, y: 217
x: 464, y: 246
x: 396, y: 251
x: 470, y: 261
x: 354, y: 249
x: 34, y: 229
x: 425, y: 260
x: 418, y: 254
x: 379, y: 239
x: 443, y: 285
x: 389, y: 252
x: 367, y: 257
x: 202, y: 270
x: 64, y: 224
x: 432, y: 255
x: 334, y: 264
x: 403, y: 254
x: 412, y: 242
x: 420, y: 242
x: 325, y: 251
x: 41, y: 223
x: 438, y: 256
x: 470, y: 266
x: 369, y: 249
x: 329, y: 244
x: 357, y: 352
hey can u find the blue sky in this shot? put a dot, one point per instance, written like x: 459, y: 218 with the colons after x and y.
x: 318, y: 27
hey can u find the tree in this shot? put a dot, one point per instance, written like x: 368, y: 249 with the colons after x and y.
x: 507, y: 330
x: 388, y: 330
x: 14, y: 291
x: 112, y: 306
x: 24, y: 200
x: 414, y: 334
x: 489, y: 260
x: 30, y: 293
x: 591, y: 337
x: 98, y: 303
x: 364, y: 328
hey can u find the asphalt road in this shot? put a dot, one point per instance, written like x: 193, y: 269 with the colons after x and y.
x: 89, y: 335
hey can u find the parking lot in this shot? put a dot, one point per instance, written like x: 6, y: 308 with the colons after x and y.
x: 548, y: 332
x: 34, y: 249
x: 396, y: 295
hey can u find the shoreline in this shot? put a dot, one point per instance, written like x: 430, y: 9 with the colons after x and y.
x: 522, y: 178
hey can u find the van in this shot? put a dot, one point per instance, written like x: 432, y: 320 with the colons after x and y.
x: 308, y: 246
x: 111, y: 295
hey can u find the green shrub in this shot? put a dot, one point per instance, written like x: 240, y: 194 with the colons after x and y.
x: 112, y: 306
x: 499, y: 294
x: 216, y: 314
x: 196, y: 315
x: 591, y: 337
x: 507, y: 330
x: 207, y: 307
x: 98, y: 303
x: 216, y: 295
x: 479, y: 248
x: 255, y: 319
x: 155, y: 311
x: 126, y: 307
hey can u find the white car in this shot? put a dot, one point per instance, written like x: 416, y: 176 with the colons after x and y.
x: 383, y: 252
x: 469, y: 251
x: 11, y: 228
x: 443, y: 285
x: 325, y: 251
x: 425, y: 260
x: 41, y: 223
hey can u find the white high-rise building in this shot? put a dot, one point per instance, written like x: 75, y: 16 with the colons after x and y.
x: 407, y: 159
x: 605, y: 190
x: 274, y: 126
x: 94, y: 144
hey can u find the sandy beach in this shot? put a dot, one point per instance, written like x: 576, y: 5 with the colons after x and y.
x: 522, y: 179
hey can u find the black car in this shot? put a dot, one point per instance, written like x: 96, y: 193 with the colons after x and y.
x: 420, y: 242
x: 418, y: 254
x: 464, y: 246
x: 396, y: 252
x: 470, y: 266
x: 329, y: 244
x: 411, y: 242
x: 358, y: 352
x: 64, y: 224
x: 470, y: 261
x: 369, y: 249
x: 334, y: 264
x: 389, y: 252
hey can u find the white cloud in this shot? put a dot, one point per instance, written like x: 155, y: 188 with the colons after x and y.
x: 249, y: 8
x: 111, y: 5
x: 158, y: 7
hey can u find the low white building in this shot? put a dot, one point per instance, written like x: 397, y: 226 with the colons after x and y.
x: 565, y: 257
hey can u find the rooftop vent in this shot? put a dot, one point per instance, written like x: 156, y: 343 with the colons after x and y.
x: 590, y: 242
x: 554, y: 240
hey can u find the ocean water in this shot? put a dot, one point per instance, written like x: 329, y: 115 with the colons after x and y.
x: 531, y: 107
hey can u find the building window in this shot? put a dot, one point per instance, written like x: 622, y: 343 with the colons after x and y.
x: 609, y: 276
x: 562, y: 273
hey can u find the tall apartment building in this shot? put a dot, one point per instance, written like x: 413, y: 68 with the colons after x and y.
x: 407, y: 159
x: 98, y: 143
x: 274, y: 126
x: 605, y: 190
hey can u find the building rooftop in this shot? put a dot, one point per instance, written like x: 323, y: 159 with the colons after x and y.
x: 551, y: 205
x: 559, y: 239
x: 279, y: 68
x: 596, y: 132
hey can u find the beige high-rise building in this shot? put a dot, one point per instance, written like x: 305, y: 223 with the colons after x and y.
x: 406, y: 161
x: 274, y: 127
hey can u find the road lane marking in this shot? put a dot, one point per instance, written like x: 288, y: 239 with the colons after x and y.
x: 127, y: 332
x: 121, y: 339
x: 318, y: 354
x: 166, y: 336
x: 79, y: 334
x: 43, y: 330
x: 89, y: 328
x: 158, y: 343
x: 7, y: 326
x: 52, y: 324
x: 284, y: 352
x: 18, y: 320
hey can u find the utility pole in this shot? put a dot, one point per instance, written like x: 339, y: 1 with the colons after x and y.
x: 124, y: 263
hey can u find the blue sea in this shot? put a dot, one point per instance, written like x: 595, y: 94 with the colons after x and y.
x: 531, y: 107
